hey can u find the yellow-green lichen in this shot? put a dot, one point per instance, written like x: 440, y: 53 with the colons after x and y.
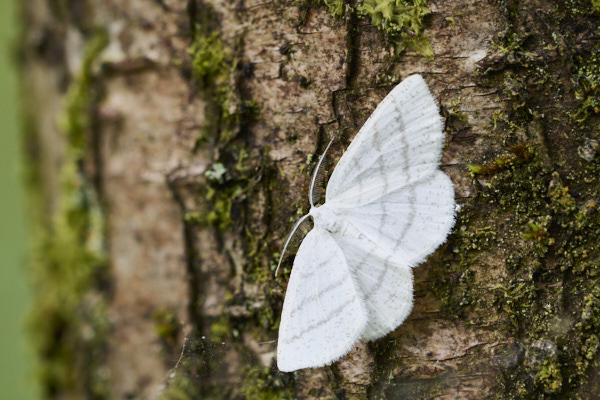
x: 402, y: 20
x: 337, y: 8
x: 68, y: 319
x: 548, y: 377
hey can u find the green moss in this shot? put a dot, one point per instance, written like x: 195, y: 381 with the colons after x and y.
x: 209, y: 60
x: 166, y: 326
x: 265, y: 383
x: 224, y: 191
x: 530, y: 298
x: 538, y: 231
x: 517, y: 154
x: 80, y: 97
x: 182, y: 387
x: 216, y: 69
x: 228, y: 114
x: 68, y: 320
x: 559, y: 195
x: 537, y: 212
x: 219, y: 329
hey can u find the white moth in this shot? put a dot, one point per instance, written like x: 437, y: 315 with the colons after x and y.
x: 387, y: 206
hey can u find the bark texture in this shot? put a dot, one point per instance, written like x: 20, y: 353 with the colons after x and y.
x: 171, y: 144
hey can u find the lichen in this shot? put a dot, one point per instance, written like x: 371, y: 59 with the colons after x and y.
x: 530, y: 298
x: 68, y: 320
x: 402, y: 21
x: 337, y: 8
x: 587, y: 88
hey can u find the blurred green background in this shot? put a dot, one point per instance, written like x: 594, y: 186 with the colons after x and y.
x: 16, y: 359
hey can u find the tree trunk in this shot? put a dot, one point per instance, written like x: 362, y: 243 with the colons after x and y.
x: 171, y: 145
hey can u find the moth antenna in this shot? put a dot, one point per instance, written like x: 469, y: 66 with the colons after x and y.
x: 320, y: 176
x: 289, y: 239
x: 297, y: 236
x: 311, y: 192
x: 311, y: 196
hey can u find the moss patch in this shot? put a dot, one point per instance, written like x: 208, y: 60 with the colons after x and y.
x: 239, y: 172
x: 516, y: 154
x: 535, y: 209
x: 166, y: 326
x: 217, y: 71
x: 68, y: 320
x: 265, y: 383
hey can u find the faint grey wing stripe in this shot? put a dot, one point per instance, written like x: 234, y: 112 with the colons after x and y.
x: 313, y: 271
x: 409, y: 223
x: 379, y: 280
x: 311, y: 299
x: 322, y: 321
x: 411, y: 217
x: 405, y: 145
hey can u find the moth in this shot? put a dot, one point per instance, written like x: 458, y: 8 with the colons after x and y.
x: 387, y: 207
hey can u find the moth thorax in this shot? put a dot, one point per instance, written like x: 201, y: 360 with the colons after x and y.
x: 324, y: 217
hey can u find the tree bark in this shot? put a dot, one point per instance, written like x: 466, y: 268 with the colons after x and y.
x: 171, y: 146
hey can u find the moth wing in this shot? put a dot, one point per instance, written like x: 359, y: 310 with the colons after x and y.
x: 407, y: 224
x: 322, y: 314
x: 400, y: 143
x: 384, y: 281
x: 388, y: 291
x: 386, y: 288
